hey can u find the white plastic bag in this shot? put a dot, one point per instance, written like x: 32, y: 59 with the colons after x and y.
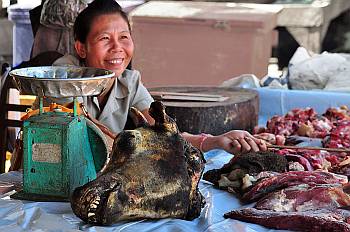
x: 243, y: 81
x: 317, y: 71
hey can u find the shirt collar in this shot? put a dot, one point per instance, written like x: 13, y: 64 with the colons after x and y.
x: 121, y: 87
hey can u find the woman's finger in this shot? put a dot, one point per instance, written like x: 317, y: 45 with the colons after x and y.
x: 245, y: 146
x: 260, y: 142
x: 236, y: 147
x: 262, y: 145
x: 252, y: 143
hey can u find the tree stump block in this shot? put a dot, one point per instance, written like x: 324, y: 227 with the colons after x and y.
x: 239, y: 111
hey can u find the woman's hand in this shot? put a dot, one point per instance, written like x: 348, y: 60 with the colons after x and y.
x: 235, y: 142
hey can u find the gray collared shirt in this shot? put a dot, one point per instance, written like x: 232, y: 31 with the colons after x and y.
x: 127, y: 91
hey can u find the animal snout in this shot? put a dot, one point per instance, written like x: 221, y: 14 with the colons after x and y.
x: 133, y: 135
x: 128, y: 139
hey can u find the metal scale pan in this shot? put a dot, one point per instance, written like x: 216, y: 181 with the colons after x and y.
x: 61, y: 81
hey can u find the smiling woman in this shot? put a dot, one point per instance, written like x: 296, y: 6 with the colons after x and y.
x: 103, y: 39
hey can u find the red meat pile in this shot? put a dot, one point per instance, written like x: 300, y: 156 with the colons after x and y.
x: 333, y: 127
x: 303, y: 122
x: 310, y: 199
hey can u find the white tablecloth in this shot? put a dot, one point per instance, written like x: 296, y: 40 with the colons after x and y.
x: 16, y: 215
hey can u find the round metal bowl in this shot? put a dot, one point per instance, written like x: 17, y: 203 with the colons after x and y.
x: 61, y: 81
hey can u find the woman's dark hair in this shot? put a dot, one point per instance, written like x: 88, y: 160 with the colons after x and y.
x: 96, y: 8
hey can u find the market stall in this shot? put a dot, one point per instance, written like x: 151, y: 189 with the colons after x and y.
x: 150, y: 179
x: 53, y: 216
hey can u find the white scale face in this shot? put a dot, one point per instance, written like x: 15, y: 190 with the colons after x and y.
x: 46, y: 152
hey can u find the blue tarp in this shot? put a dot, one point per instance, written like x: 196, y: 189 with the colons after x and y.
x: 280, y: 101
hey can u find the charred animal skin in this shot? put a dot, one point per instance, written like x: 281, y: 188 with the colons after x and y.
x: 152, y: 173
x: 250, y: 163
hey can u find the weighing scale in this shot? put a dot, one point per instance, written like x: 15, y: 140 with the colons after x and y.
x: 61, y: 150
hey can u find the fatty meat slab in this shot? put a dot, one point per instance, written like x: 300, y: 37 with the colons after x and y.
x: 292, y: 178
x: 302, y: 207
x: 323, y: 220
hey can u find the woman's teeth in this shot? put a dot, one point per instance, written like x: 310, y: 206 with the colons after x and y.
x: 116, y: 61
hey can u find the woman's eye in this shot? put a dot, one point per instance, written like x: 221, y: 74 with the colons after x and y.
x: 124, y: 37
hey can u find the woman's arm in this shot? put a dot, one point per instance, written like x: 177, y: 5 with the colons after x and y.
x: 235, y: 142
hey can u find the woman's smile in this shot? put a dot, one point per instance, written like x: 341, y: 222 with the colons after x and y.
x: 115, y: 61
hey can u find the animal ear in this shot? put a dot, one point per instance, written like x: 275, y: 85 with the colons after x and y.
x: 162, y: 120
x: 80, y: 48
x: 157, y: 111
x: 137, y: 118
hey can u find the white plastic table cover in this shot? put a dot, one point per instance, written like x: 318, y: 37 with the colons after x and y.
x: 16, y: 215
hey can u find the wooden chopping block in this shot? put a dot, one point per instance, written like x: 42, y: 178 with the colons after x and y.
x: 212, y: 110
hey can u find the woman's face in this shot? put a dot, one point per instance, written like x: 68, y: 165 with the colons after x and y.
x: 108, y: 45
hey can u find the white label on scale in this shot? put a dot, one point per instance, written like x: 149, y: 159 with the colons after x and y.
x: 46, y: 152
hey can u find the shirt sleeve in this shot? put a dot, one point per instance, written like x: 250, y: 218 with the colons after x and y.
x: 67, y: 60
